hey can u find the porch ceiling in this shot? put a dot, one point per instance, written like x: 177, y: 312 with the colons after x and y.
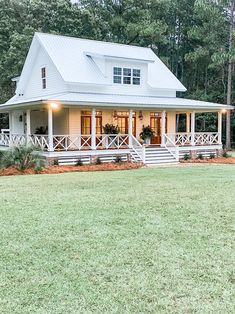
x: 117, y: 101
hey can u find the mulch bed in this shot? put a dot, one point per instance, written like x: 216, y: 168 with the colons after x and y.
x: 219, y: 160
x: 11, y: 171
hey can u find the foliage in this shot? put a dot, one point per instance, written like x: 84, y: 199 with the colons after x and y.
x: 23, y: 157
x: 110, y: 129
x: 186, y: 156
x: 79, y: 162
x: 212, y: 155
x: 146, y: 133
x: 56, y: 162
x: 41, y: 130
x: 118, y: 159
x: 98, y: 161
x: 200, y: 156
x: 225, y: 154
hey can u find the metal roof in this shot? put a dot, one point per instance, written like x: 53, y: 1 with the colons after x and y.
x: 69, y: 54
x: 111, y: 100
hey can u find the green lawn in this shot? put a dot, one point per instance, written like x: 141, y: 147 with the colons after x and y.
x: 157, y: 240
x: 232, y: 153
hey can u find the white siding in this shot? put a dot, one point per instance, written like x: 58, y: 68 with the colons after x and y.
x: 17, y: 122
x: 33, y: 87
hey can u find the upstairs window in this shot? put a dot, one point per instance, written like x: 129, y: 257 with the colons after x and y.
x: 43, y: 75
x: 117, y: 75
x: 136, y: 77
x: 126, y: 76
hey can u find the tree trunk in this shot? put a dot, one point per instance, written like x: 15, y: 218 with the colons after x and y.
x: 230, y: 70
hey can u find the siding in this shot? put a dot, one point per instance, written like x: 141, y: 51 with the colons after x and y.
x: 54, y: 81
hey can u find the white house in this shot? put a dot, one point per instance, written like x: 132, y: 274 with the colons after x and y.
x: 70, y: 88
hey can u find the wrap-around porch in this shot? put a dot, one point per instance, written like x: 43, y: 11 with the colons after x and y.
x: 81, y: 129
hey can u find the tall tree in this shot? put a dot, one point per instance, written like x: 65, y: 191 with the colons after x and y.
x: 231, y: 8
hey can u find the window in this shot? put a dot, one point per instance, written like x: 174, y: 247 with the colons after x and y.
x: 136, y: 77
x: 43, y: 74
x: 117, y: 75
x: 126, y: 76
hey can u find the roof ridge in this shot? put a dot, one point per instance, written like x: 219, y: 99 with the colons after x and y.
x: 88, y: 39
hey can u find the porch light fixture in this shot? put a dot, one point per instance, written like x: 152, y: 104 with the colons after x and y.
x: 141, y: 115
x: 224, y: 111
x: 115, y: 114
x: 54, y: 105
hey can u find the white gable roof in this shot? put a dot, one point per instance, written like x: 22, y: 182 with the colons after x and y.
x: 75, y: 60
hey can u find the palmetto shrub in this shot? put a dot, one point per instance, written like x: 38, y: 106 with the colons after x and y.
x: 22, y: 157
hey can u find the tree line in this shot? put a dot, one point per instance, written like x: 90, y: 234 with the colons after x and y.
x: 194, y: 38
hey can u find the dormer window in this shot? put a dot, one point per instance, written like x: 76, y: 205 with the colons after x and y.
x: 43, y: 74
x: 117, y: 75
x: 126, y: 76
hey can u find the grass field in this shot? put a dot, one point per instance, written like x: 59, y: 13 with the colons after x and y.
x: 155, y: 240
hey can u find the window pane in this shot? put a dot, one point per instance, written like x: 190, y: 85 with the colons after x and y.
x: 44, y: 85
x: 117, y: 71
x: 136, y: 72
x: 43, y: 72
x: 117, y: 79
x: 136, y: 81
x: 126, y: 80
x: 126, y: 72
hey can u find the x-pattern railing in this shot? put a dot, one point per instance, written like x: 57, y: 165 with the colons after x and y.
x: 206, y: 138
x: 185, y: 139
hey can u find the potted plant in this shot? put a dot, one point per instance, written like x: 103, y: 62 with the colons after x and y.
x: 146, y: 134
x: 110, y: 129
x: 41, y: 130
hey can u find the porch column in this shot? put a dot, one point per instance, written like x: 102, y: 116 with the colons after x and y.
x: 188, y: 122
x: 130, y: 124
x: 163, y: 121
x: 93, y: 129
x: 10, y: 117
x: 219, y: 127
x: 50, y: 129
x: 193, y: 128
x: 28, y: 124
x: 10, y: 121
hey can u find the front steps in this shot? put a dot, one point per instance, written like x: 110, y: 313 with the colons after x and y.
x: 154, y: 155
x: 158, y: 156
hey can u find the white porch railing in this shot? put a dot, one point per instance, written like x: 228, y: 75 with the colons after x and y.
x: 206, y: 138
x: 172, y: 148
x: 68, y: 142
x: 186, y: 139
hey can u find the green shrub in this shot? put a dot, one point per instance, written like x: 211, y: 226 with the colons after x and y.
x: 110, y: 129
x: 147, y: 132
x: 23, y: 157
x: 200, y: 156
x: 118, y: 159
x: 225, y: 154
x: 79, y: 162
x: 186, y: 156
x: 98, y: 161
x: 212, y: 155
x: 55, y: 162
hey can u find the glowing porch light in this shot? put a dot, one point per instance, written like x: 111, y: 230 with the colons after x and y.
x: 54, y: 106
x: 224, y: 111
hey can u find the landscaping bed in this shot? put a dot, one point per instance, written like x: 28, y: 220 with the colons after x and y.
x: 61, y: 169
x: 219, y: 160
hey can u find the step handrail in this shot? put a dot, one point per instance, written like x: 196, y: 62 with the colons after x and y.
x: 172, y: 148
x: 135, y: 144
